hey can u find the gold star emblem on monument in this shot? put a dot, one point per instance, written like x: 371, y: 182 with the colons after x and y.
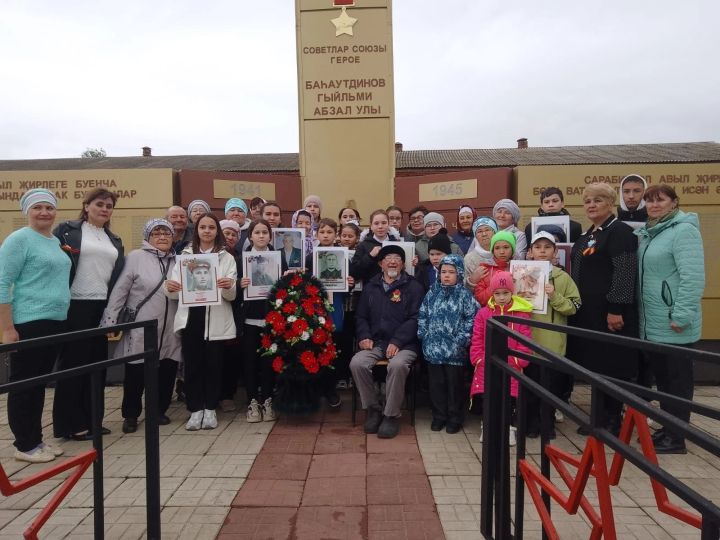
x: 344, y: 23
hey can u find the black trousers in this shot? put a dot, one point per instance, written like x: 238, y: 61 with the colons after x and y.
x: 25, y: 407
x: 134, y: 385
x: 674, y: 375
x: 231, y: 368
x: 447, y: 395
x: 203, y: 363
x: 256, y: 366
x: 556, y: 382
x: 72, y: 404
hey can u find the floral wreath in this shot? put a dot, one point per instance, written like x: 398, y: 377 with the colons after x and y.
x: 298, y: 329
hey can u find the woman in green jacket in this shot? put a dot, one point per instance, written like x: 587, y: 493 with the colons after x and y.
x: 672, y: 279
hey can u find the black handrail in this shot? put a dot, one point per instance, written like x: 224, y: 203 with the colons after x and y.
x: 150, y: 355
x: 495, y: 515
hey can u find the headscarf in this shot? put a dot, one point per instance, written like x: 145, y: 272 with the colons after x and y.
x: 198, y: 202
x: 465, y: 210
x: 230, y: 224
x: 35, y: 196
x: 154, y: 224
x: 236, y: 203
x: 510, y: 206
x: 479, y: 222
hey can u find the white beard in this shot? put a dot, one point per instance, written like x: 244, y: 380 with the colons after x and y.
x: 393, y: 274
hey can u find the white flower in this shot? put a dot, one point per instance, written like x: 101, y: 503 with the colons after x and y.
x: 273, y: 347
x: 305, y: 336
x: 278, y: 303
x: 321, y: 320
x: 292, y: 318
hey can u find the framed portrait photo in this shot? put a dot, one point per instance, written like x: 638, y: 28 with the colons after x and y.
x: 198, y: 277
x: 263, y: 269
x: 551, y: 224
x: 330, y: 266
x: 530, y: 278
x: 409, y: 249
x: 564, y: 259
x: 291, y: 245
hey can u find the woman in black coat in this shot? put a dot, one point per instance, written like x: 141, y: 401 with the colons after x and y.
x: 97, y: 257
x: 364, y: 264
x: 604, y: 267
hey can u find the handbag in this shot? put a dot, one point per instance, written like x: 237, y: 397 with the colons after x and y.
x: 128, y: 314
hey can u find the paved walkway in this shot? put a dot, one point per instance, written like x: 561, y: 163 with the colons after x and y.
x: 320, y: 478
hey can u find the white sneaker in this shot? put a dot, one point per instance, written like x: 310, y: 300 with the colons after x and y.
x: 209, y: 420
x: 195, y: 421
x: 254, y: 413
x: 559, y: 417
x: 512, y: 436
x: 268, y: 412
x: 36, y: 455
x: 54, y: 450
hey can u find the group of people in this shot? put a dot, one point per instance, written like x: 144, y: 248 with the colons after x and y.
x: 644, y: 280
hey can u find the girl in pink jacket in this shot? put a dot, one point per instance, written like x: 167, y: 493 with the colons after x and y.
x: 502, y: 302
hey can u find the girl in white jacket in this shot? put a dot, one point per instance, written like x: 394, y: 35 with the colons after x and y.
x: 203, y: 330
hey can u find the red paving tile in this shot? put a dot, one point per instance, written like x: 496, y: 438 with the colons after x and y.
x: 330, y: 443
x: 270, y: 493
x: 313, y: 479
x: 337, y: 465
x: 280, y: 466
x: 400, y: 444
x: 326, y: 522
x: 258, y: 524
x: 399, y: 489
x: 383, y: 464
x: 415, y: 522
x: 295, y: 443
x: 344, y: 491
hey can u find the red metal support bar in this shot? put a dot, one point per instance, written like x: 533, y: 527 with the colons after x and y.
x: 81, y: 462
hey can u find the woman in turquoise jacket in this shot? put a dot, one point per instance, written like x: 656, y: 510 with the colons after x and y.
x: 672, y: 279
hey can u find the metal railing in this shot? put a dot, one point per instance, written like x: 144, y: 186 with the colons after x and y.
x: 150, y: 355
x: 496, y: 519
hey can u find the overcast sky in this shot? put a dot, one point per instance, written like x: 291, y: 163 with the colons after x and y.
x: 219, y: 77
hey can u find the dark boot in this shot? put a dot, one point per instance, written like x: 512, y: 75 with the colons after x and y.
x: 670, y: 445
x: 373, y: 419
x: 389, y: 428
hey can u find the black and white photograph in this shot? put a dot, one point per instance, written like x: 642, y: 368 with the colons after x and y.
x: 291, y: 245
x: 199, y: 279
x: 263, y: 269
x: 558, y: 226
x: 330, y: 266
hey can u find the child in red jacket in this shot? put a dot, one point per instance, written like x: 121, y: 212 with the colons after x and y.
x: 502, y: 302
x: 502, y: 246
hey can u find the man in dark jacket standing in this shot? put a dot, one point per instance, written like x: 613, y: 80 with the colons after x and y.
x: 386, y: 328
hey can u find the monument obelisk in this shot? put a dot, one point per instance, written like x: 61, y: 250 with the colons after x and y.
x: 346, y: 102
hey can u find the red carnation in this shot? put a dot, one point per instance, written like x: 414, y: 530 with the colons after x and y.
x: 281, y: 294
x: 312, y: 290
x: 325, y: 358
x: 296, y: 280
x: 289, y: 308
x: 319, y: 336
x: 265, y: 342
x: 288, y: 335
x: 307, y: 357
x: 278, y: 364
x: 314, y: 367
x: 328, y: 324
x: 299, y: 326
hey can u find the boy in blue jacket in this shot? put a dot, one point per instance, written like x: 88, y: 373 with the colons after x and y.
x: 445, y: 327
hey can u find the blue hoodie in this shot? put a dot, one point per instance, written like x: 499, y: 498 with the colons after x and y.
x: 446, y: 319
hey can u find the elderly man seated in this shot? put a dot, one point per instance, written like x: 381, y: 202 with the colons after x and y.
x: 386, y: 328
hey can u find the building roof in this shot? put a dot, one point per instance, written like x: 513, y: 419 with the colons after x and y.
x: 408, y: 159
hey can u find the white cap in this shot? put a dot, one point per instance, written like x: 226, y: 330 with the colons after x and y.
x: 543, y: 234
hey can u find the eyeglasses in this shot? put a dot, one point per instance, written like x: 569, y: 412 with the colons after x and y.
x: 393, y: 258
x: 417, y: 218
x: 156, y: 234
